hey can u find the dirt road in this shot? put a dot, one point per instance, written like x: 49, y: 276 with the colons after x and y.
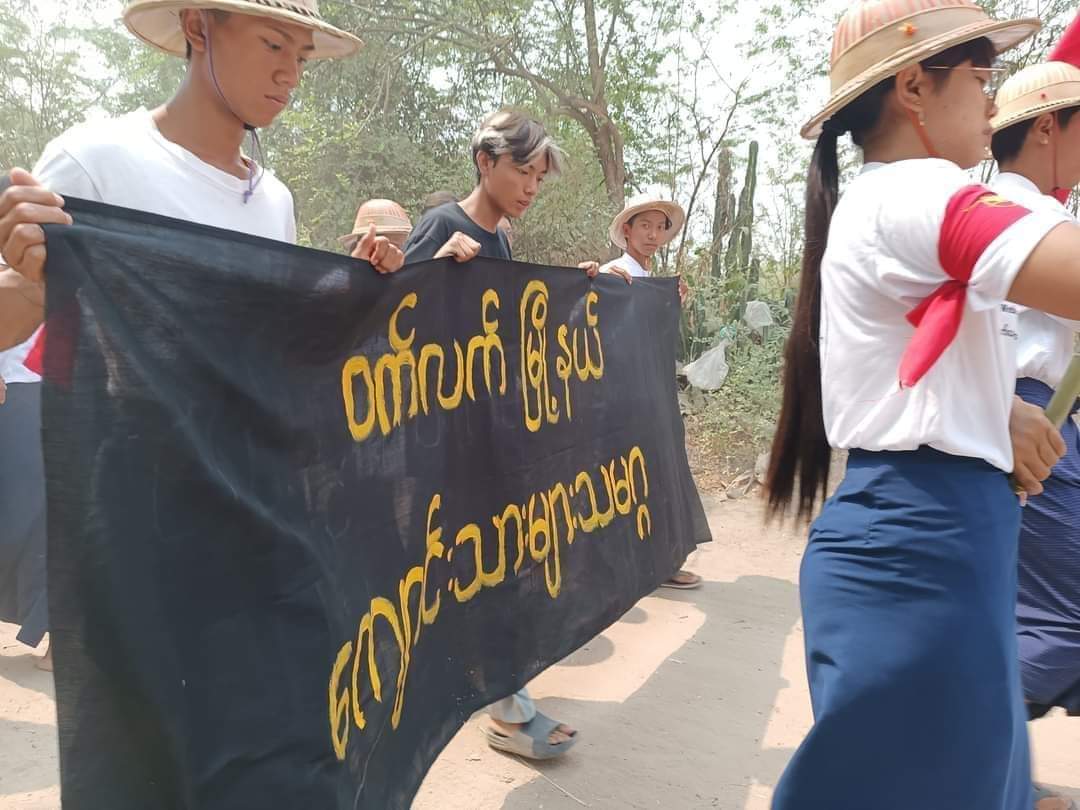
x: 693, y: 700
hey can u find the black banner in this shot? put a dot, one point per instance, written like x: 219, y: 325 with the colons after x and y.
x: 304, y: 520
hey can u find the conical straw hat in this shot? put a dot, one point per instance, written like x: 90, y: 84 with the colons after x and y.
x: 157, y: 22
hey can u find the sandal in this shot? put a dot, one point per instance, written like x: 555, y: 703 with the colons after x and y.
x: 1042, y: 793
x: 531, y: 739
x: 692, y: 581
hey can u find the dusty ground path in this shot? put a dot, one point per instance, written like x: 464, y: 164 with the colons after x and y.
x: 694, y: 700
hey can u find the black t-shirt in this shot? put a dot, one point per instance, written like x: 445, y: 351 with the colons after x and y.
x: 437, y: 226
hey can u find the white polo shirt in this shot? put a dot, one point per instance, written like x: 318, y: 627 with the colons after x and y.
x: 126, y: 161
x: 1046, y: 342
x: 880, y: 263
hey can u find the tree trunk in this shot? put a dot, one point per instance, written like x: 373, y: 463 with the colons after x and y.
x: 609, y: 148
x: 606, y: 136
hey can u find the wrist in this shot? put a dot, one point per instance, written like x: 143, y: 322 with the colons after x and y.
x: 34, y: 292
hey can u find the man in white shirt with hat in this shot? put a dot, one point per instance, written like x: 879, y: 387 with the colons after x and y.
x: 645, y: 225
x: 185, y: 158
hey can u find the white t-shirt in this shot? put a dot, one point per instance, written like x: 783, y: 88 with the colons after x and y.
x: 12, y: 369
x: 126, y: 161
x: 627, y: 263
x: 880, y: 263
x: 1046, y: 342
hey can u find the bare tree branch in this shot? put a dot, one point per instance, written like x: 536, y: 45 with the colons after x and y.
x: 679, y: 254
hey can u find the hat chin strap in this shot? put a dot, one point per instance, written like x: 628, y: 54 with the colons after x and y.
x: 1057, y: 192
x: 920, y: 130
x: 256, y: 144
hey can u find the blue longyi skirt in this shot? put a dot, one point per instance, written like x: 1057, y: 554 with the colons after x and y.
x: 1048, y: 610
x: 23, y: 598
x: 908, y: 589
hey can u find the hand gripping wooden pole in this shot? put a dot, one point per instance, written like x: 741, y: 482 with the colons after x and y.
x: 1061, y: 404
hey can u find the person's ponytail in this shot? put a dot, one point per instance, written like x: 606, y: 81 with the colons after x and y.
x: 800, y: 448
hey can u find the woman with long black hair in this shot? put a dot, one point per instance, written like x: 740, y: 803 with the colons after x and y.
x: 903, y: 352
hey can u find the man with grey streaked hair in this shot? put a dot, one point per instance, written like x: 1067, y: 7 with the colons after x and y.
x: 513, y: 155
x: 512, y: 133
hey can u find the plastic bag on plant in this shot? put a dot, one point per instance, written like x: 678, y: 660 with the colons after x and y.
x: 758, y: 315
x: 710, y: 370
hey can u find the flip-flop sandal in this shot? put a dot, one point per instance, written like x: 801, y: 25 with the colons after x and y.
x: 1044, y: 793
x: 530, y: 740
x: 683, y: 586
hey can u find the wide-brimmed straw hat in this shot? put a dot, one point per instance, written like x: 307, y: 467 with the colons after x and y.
x: 386, y: 215
x: 876, y: 39
x: 1035, y: 90
x: 640, y: 204
x: 157, y: 22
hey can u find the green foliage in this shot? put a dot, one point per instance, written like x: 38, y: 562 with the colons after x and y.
x: 737, y: 422
x: 45, y: 85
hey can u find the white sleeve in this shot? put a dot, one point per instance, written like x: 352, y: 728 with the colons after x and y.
x: 1068, y: 324
x: 58, y: 171
x: 910, y: 228
x: 1002, y: 260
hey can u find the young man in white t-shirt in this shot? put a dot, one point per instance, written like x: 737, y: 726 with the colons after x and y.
x: 645, y: 225
x: 183, y: 159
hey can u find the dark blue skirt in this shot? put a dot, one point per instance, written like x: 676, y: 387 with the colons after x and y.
x: 908, y: 591
x: 22, y: 514
x: 1048, y: 607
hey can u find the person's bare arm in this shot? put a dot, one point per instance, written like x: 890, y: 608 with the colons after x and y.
x: 22, y: 308
x: 1050, y: 278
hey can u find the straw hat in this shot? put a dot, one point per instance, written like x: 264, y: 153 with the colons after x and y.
x: 1035, y: 90
x: 387, y: 216
x: 157, y: 22
x: 876, y: 39
x: 640, y: 204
